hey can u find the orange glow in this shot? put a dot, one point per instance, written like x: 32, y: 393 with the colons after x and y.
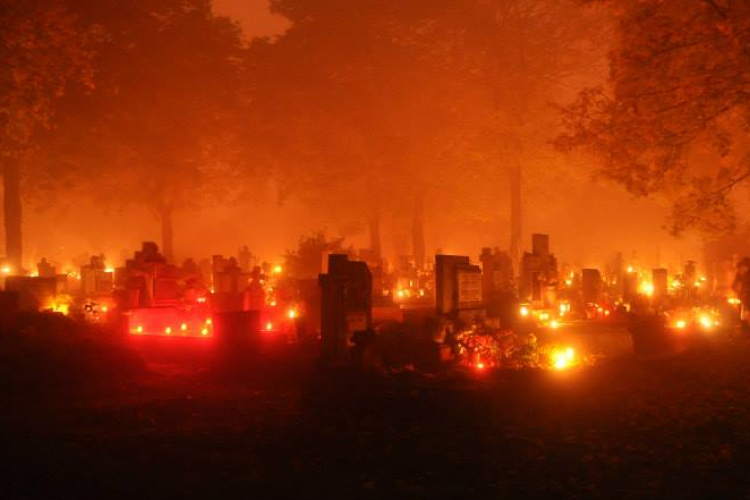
x: 269, y: 326
x: 183, y: 327
x: 292, y: 314
x: 646, y: 288
x: 168, y: 330
x: 563, y: 359
x: 707, y: 322
x: 564, y: 308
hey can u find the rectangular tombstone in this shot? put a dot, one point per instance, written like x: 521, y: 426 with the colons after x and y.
x: 166, y: 291
x: 346, y: 306
x: 540, y: 244
x: 33, y: 293
x: 497, y: 274
x: 659, y: 278
x: 591, y: 285
x: 445, y: 285
x: 469, y: 287
x: 629, y: 286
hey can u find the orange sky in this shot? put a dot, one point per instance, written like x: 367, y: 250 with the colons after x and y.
x: 254, y: 15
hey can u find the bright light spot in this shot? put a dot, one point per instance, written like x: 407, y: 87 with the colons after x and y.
x: 209, y: 321
x: 204, y: 332
x: 269, y: 326
x: 647, y: 288
x: 292, y: 313
x: 480, y: 366
x: 201, y: 300
x: 680, y: 324
x: 734, y: 301
x: 183, y: 327
x: 554, y: 324
x: 105, y: 309
x: 34, y: 274
x: 168, y: 330
x: 109, y: 270
x: 277, y: 269
x: 61, y: 308
x: 563, y: 359
x: 630, y: 269
x: 6, y: 270
x: 524, y: 311
x: 139, y: 329
x: 707, y: 322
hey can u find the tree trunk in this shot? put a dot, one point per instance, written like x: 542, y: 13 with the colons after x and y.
x: 13, y: 214
x: 418, y: 241
x: 516, y: 215
x: 373, y: 226
x: 167, y: 233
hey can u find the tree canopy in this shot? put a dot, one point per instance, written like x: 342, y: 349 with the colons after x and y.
x: 42, y: 51
x: 163, y: 118
x: 675, y: 115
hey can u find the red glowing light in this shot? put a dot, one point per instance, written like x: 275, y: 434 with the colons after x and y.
x: 169, y: 321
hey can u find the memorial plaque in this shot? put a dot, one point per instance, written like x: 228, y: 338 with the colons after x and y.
x: 469, y: 288
x: 445, y: 278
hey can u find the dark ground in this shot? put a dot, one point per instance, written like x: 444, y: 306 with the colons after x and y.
x: 179, y: 428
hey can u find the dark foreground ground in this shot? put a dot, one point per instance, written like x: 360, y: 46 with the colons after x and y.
x: 179, y: 427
